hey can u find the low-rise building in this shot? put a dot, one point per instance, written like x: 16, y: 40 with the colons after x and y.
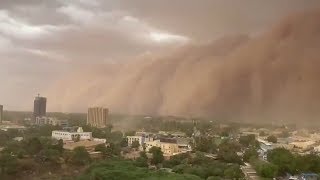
x: 169, y: 147
x: 18, y: 139
x: 141, y: 137
x: 51, y: 121
x: 302, y: 146
x: 317, y: 149
x: 70, y: 136
x: 309, y: 176
x: 184, y: 144
x: 7, y: 126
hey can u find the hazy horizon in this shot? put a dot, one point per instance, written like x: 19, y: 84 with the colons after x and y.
x: 45, y: 42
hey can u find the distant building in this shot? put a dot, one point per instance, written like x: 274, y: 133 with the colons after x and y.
x: 18, y: 139
x: 309, y: 176
x: 169, y: 147
x: 302, y: 146
x: 51, y: 121
x: 141, y: 138
x: 97, y: 117
x: 1, y: 113
x: 70, y: 136
x: 40, y: 107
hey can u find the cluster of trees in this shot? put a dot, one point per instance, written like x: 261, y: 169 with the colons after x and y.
x: 205, y: 144
x: 111, y: 150
x: 7, y: 136
x: 288, y: 162
x: 281, y: 162
x: 121, y: 169
x: 272, y: 139
x: 157, y: 158
x: 186, y: 166
x: 203, y: 167
x: 263, y: 168
x: 43, y: 151
x: 249, y: 141
x: 115, y: 137
x: 36, y: 153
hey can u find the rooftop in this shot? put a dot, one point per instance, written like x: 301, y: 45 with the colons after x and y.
x: 166, y: 140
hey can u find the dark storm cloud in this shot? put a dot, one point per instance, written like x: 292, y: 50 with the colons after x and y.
x: 42, y: 39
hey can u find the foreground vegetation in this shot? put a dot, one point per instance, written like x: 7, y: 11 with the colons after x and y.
x: 118, y: 169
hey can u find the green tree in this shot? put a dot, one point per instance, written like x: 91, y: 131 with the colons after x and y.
x: 284, y: 159
x: 124, y: 142
x: 262, y: 133
x: 135, y: 144
x: 272, y: 139
x: 233, y: 172
x: 4, y: 138
x: 205, y: 144
x: 227, y: 152
x: 157, y: 155
x: 101, y: 148
x: 8, y: 164
x: 176, y: 160
x: 15, y: 148
x: 49, y: 155
x: 249, y: 140
x: 268, y: 170
x: 59, y: 146
x: 130, y: 133
x: 250, y: 153
x: 76, y: 138
x: 114, y: 137
x: 142, y: 161
x: 214, y: 178
x: 308, y: 163
x: 80, y: 156
x: 113, y: 149
x: 264, y: 169
x: 33, y: 146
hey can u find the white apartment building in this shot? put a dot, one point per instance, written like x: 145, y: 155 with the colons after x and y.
x: 69, y: 136
x: 141, y: 139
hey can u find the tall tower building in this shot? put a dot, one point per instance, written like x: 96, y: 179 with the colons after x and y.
x: 97, y: 117
x: 40, y: 106
x: 1, y: 113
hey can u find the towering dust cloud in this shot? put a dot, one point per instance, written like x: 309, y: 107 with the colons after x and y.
x: 272, y: 76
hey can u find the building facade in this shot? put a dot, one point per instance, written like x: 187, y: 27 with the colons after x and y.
x: 70, y: 136
x: 51, y: 121
x: 97, y: 117
x: 1, y: 113
x: 141, y: 139
x: 39, y: 107
x: 169, y: 148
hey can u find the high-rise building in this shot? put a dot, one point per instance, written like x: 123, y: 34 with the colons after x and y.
x: 1, y: 113
x: 40, y: 106
x: 97, y: 117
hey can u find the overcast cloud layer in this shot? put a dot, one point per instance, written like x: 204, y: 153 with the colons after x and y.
x: 41, y: 40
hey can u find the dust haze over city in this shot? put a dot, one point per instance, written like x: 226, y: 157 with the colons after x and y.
x: 240, y: 60
x: 117, y: 72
